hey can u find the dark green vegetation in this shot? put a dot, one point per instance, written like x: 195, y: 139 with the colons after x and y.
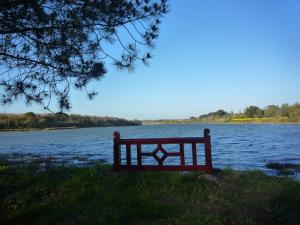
x: 284, y: 168
x: 95, y: 195
x: 271, y: 114
x: 47, y: 47
x: 59, y: 120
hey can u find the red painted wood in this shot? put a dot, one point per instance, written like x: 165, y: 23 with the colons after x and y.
x: 139, y: 154
x: 173, y: 154
x: 164, y: 168
x: 128, y: 154
x: 163, y: 140
x: 117, y: 152
x: 207, y: 145
x: 160, y: 153
x: 147, y: 153
x: 182, y: 161
x: 194, y: 154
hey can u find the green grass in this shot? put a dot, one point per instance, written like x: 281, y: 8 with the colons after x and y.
x: 228, y: 120
x: 96, y: 195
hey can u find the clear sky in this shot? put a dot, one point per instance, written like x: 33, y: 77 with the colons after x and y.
x: 211, y: 54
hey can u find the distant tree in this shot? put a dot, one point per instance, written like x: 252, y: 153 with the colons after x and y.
x: 284, y: 111
x: 271, y: 111
x: 48, y: 46
x: 254, y: 111
x: 220, y: 112
x: 61, y: 116
x: 294, y: 111
x: 29, y: 115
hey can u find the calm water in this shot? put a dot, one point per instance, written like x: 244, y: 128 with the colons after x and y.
x: 237, y: 146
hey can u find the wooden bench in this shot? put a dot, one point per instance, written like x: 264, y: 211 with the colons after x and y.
x: 160, y: 154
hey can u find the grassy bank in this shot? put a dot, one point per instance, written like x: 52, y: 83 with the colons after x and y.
x: 95, y: 195
x: 39, y: 129
x: 31, y: 121
x: 229, y: 120
x: 271, y: 114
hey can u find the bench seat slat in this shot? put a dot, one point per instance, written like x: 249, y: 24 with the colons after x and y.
x: 188, y: 140
x: 164, y: 167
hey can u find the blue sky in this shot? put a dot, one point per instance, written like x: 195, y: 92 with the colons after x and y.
x: 211, y: 54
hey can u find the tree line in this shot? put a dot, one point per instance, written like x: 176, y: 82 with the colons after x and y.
x: 31, y: 120
x: 285, y: 112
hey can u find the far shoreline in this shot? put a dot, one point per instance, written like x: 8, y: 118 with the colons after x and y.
x: 56, y: 128
x: 154, y: 123
x: 39, y: 129
x: 222, y: 123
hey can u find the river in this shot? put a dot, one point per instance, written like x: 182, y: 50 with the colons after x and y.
x: 240, y: 146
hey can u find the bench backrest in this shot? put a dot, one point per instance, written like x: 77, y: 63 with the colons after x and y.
x: 160, y: 153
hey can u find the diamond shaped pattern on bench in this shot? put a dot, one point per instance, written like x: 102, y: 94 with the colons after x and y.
x: 160, y: 154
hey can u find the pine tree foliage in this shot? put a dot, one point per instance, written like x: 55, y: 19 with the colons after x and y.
x: 46, y: 46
